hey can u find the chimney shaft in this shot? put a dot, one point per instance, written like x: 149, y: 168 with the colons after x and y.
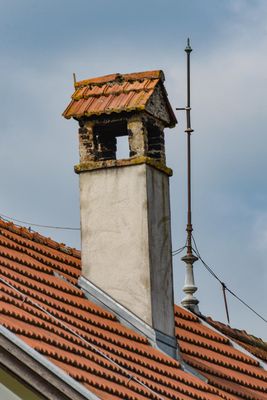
x: 126, y: 239
x: 125, y: 207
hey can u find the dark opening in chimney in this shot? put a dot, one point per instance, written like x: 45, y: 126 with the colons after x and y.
x: 106, y: 137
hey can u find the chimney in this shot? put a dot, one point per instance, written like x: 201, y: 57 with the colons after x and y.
x: 125, y: 204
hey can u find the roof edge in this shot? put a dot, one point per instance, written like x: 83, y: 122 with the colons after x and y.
x: 40, y: 359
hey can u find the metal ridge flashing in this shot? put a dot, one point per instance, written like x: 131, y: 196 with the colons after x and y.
x: 162, y: 342
x: 124, y: 315
x: 47, y: 364
x: 157, y: 339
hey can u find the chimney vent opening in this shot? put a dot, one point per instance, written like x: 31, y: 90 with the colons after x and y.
x: 122, y: 147
x: 110, y: 145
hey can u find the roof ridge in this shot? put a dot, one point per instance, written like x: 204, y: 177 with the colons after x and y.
x: 152, y: 74
x: 38, y: 238
x: 235, y: 333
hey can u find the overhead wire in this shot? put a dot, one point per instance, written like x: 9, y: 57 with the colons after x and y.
x: 224, y: 286
x: 245, y: 304
x: 174, y: 253
x: 6, y: 217
x: 178, y: 251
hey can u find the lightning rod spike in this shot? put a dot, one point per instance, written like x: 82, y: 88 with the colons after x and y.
x: 189, y: 301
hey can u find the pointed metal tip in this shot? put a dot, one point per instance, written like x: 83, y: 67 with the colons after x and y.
x: 74, y: 78
x: 188, y: 48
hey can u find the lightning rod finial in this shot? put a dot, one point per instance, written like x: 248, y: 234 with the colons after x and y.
x: 188, y: 48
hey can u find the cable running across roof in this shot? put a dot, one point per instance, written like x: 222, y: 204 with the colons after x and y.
x: 209, y: 269
x: 178, y: 251
x: 93, y: 347
x: 6, y: 217
x: 174, y: 253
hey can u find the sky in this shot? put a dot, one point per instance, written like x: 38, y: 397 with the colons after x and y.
x: 43, y: 42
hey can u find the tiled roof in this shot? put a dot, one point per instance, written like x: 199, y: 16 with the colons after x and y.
x: 28, y: 262
x: 116, y: 93
x: 251, y: 343
x: 212, y: 354
x: 74, y: 333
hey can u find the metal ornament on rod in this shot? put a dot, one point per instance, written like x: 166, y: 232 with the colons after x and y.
x: 189, y: 301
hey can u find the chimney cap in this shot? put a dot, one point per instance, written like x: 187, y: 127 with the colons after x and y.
x: 118, y: 93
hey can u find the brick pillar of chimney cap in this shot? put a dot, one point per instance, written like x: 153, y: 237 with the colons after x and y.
x: 87, y: 144
x: 137, y: 136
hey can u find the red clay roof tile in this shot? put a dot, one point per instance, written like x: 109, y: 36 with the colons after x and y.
x: 200, y: 330
x: 254, y: 345
x: 214, y: 357
x: 233, y: 372
x: 116, y: 93
x: 135, y: 76
x: 235, y: 389
x: 229, y: 352
x: 28, y: 263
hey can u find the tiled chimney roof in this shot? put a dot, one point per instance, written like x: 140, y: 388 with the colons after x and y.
x: 30, y: 263
x: 116, y: 93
